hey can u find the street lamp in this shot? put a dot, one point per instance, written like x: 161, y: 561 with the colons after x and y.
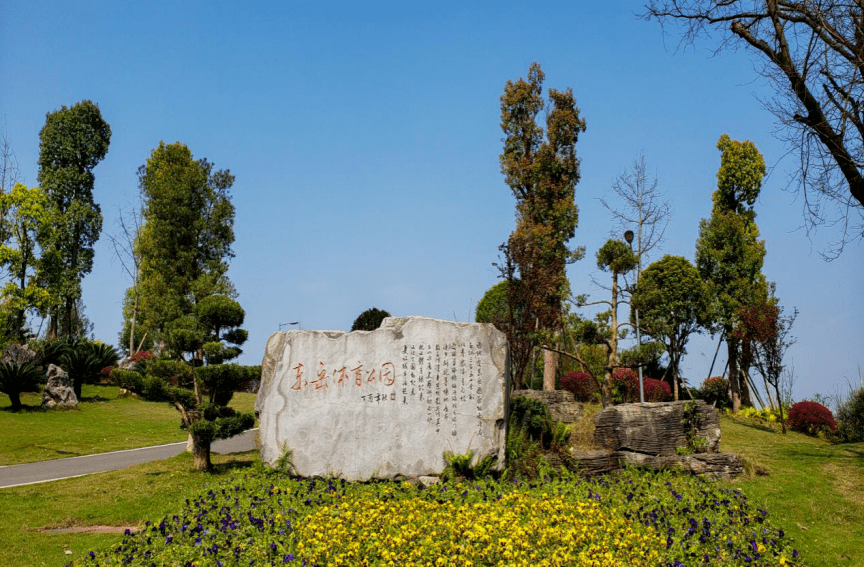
x: 283, y: 325
x: 628, y: 236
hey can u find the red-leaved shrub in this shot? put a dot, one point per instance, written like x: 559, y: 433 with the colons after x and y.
x: 625, y: 384
x: 811, y: 418
x: 656, y: 390
x: 141, y: 355
x: 582, y: 385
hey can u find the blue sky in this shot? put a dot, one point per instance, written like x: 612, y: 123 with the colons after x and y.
x: 364, y: 138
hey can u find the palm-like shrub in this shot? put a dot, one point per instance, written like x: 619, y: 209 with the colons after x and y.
x: 17, y: 378
x: 84, y: 362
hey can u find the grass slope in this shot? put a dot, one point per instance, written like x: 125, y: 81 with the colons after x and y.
x: 814, y: 489
x: 103, y: 422
x: 125, y: 497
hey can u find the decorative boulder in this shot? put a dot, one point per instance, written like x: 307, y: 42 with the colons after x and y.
x: 384, y: 403
x: 658, y: 428
x: 17, y: 354
x: 58, y: 391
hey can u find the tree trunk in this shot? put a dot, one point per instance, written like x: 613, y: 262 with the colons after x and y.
x: 14, y: 399
x: 132, y: 323
x: 780, y: 405
x: 606, y: 388
x: 768, y: 391
x: 76, y: 387
x: 549, y: 364
x: 734, y: 384
x: 201, y: 454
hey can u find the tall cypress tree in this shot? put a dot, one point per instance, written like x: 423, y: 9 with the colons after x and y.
x: 72, y: 142
x: 729, y: 254
x: 185, y: 242
x: 542, y: 170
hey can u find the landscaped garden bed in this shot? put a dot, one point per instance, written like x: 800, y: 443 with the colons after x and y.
x: 264, y: 518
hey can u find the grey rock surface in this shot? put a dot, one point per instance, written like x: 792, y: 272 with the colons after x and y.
x: 17, y: 354
x: 713, y: 465
x: 655, y: 428
x: 58, y: 391
x: 383, y: 403
x: 561, y: 403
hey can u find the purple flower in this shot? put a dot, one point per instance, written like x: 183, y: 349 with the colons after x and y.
x: 287, y: 558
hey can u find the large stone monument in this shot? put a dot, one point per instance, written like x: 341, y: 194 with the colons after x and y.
x: 383, y: 403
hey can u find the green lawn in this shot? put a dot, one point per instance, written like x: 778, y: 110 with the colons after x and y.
x: 103, y: 422
x: 814, y: 489
x: 124, y: 497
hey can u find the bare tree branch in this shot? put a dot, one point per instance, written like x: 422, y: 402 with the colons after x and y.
x: 813, y: 56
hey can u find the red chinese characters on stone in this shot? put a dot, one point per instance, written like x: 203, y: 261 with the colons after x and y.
x: 386, y: 375
x: 300, y: 383
x: 321, y: 382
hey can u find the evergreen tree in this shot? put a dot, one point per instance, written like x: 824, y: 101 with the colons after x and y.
x: 185, y: 241
x: 729, y: 254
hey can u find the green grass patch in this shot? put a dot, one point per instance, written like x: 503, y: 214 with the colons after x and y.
x: 103, y: 422
x: 126, y: 497
x: 813, y: 488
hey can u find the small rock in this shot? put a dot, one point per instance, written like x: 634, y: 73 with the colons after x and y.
x: 428, y: 480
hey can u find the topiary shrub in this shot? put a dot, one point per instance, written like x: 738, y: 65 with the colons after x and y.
x: 127, y: 379
x: 811, y: 418
x: 715, y: 391
x: 582, y: 385
x: 176, y: 372
x: 850, y: 418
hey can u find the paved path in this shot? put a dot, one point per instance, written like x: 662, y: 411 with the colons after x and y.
x: 45, y: 471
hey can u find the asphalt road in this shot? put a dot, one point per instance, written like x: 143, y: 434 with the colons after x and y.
x: 45, y: 471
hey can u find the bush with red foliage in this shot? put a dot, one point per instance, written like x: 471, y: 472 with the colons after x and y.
x: 625, y: 385
x: 811, y: 418
x: 582, y: 385
x: 656, y: 390
x: 141, y: 355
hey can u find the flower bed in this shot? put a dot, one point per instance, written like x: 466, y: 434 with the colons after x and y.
x: 631, y: 519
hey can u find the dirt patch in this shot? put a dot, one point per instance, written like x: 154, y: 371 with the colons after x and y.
x: 89, y: 529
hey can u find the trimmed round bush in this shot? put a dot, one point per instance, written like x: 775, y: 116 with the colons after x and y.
x: 811, y: 418
x: 715, y: 390
x: 850, y: 418
x: 582, y: 385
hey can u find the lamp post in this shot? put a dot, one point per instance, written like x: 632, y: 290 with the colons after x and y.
x: 283, y: 325
x: 628, y: 236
